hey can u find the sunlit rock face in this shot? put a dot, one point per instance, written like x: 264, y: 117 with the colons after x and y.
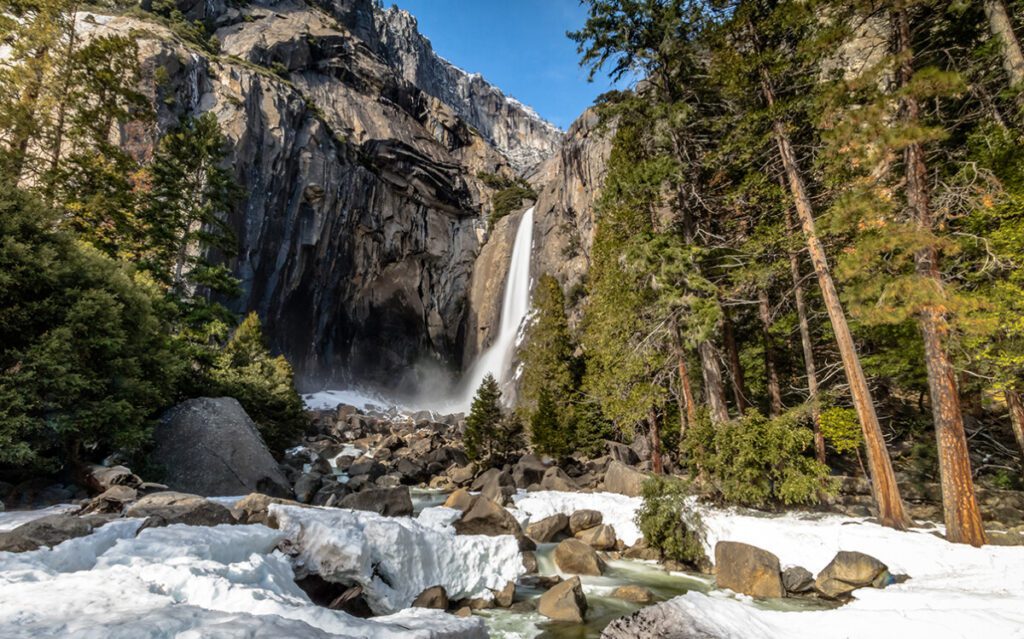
x: 357, y: 150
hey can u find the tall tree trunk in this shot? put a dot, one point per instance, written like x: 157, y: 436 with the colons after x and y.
x: 1016, y: 406
x: 1001, y: 27
x: 739, y: 386
x: 764, y: 311
x: 808, y: 349
x: 714, y: 393
x: 688, y: 409
x: 59, y: 125
x: 652, y: 420
x: 959, y: 504
x: 891, y: 511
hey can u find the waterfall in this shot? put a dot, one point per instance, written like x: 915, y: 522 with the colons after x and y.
x: 497, y: 358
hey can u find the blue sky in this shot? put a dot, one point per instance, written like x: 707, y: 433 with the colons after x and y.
x: 518, y: 45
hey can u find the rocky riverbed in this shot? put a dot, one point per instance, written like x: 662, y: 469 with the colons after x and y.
x: 378, y: 527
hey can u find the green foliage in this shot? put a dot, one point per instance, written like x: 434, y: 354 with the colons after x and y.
x: 263, y: 384
x: 484, y: 420
x: 841, y: 429
x: 757, y: 461
x: 666, y: 521
x: 84, y: 357
x: 510, y: 193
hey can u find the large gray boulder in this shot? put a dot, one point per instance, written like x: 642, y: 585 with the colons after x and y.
x: 169, y: 507
x: 210, y: 446
x: 390, y: 502
x: 748, y: 569
x: 622, y: 479
x: 851, y: 570
x: 46, y: 531
x: 669, y: 620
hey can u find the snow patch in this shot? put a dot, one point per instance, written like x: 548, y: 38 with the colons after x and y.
x: 617, y: 510
x: 363, y: 400
x: 394, y: 559
x: 183, y: 582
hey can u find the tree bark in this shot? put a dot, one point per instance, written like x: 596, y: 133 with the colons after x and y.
x: 1001, y: 27
x: 714, y: 392
x: 771, y: 372
x: 739, y: 386
x: 808, y: 349
x: 688, y: 409
x: 891, y: 511
x: 959, y: 504
x: 652, y: 420
x: 1016, y: 406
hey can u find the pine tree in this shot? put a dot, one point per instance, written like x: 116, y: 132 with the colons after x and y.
x: 484, y: 421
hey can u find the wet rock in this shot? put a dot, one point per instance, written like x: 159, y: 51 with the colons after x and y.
x: 525, y: 606
x: 348, y: 599
x: 600, y: 537
x: 624, y: 480
x: 169, y: 507
x: 748, y: 570
x: 851, y: 570
x: 564, y: 602
x: 210, y: 446
x: 503, y: 598
x: 112, y: 500
x: 642, y: 551
x: 634, y: 594
x: 530, y: 561
x: 584, y: 519
x: 575, y: 557
x: 797, y: 580
x: 390, y: 502
x: 548, y: 529
x: 433, y: 597
x: 44, y: 532
x: 464, y: 611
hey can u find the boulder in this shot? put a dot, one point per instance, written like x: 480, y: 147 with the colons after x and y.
x: 622, y: 453
x: 574, y: 556
x: 547, y: 529
x: 101, y: 478
x: 255, y: 509
x: 433, y: 597
x: 634, y: 594
x: 307, y: 486
x: 496, y: 485
x: 667, y: 620
x: 530, y: 562
x: 797, y: 580
x: 528, y: 470
x: 390, y: 502
x: 461, y: 475
x: 556, y: 479
x: 584, y: 519
x: 748, y: 569
x: 111, y: 500
x: 642, y: 551
x: 210, y: 446
x: 620, y: 478
x: 600, y: 537
x: 851, y: 570
x: 459, y: 500
x: 503, y: 598
x: 169, y: 507
x: 44, y: 532
x: 564, y: 602
x: 484, y: 517
x: 367, y: 466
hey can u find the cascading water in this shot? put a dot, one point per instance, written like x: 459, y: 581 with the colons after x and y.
x: 497, y: 359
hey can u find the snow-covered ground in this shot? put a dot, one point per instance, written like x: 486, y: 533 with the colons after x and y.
x: 361, y: 399
x: 617, y: 510
x: 954, y: 591
x: 183, y: 582
x: 397, y: 558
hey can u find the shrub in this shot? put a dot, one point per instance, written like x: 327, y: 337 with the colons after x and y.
x: 667, y: 524
x: 841, y: 428
x: 509, y: 196
x: 756, y: 461
x: 262, y: 383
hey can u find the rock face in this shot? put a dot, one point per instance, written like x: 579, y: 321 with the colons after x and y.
x: 849, y: 571
x: 564, y: 602
x: 513, y: 128
x: 748, y: 570
x: 210, y: 446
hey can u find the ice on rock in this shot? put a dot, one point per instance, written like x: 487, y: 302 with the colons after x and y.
x: 183, y: 582
x: 395, y: 558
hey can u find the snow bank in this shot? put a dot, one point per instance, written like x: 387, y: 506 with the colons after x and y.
x: 363, y: 400
x: 397, y: 558
x: 183, y: 582
x: 11, y: 519
x: 617, y: 510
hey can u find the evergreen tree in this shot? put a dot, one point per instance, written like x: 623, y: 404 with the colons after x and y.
x: 484, y: 421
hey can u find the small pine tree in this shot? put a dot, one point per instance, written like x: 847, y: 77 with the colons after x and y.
x: 546, y: 433
x: 484, y: 419
x: 262, y: 383
x: 666, y: 523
